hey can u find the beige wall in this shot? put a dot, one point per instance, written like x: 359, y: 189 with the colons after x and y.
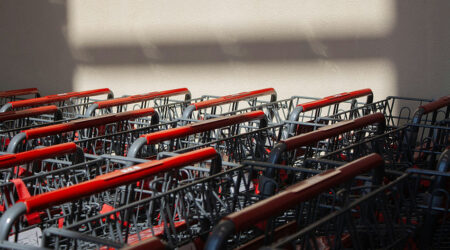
x: 307, y: 47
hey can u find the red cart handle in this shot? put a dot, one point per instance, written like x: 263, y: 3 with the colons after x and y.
x: 144, y: 97
x: 117, y: 178
x: 329, y: 100
x: 292, y: 196
x: 11, y: 160
x: 433, y: 106
x: 87, y: 123
x: 334, y: 130
x: 303, y: 191
x: 235, y: 97
x: 202, y: 126
x: 12, y: 115
x: 19, y: 92
x: 58, y: 98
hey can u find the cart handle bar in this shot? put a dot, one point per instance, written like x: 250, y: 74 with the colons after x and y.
x: 144, y: 97
x: 59, y: 97
x: 138, y: 98
x: 433, y: 106
x: 229, y: 99
x: 288, y: 198
x: 87, y: 123
x: 19, y: 92
x: 345, y: 96
x: 334, y: 130
x: 203, y: 126
x: 236, y: 97
x: 13, y: 115
x: 11, y: 160
x: 430, y: 107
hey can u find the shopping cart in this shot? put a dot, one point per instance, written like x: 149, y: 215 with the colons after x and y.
x: 156, y: 99
x: 12, y: 95
x: 83, y: 200
x: 80, y: 129
x: 201, y: 110
x: 198, y: 133
x: 52, y: 168
x: 181, y: 215
x: 327, y: 106
x: 29, y: 117
x: 299, y: 204
x: 72, y: 104
x: 397, y: 110
x: 401, y: 214
x: 417, y: 144
x: 11, y: 122
x: 31, y: 162
x: 31, y: 166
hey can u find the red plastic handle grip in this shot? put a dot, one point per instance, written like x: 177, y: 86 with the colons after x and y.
x: 87, y: 123
x: 144, y: 97
x: 202, y: 126
x: 433, y: 106
x: 302, y: 191
x: 19, y: 92
x: 332, y: 130
x: 58, y: 98
x: 329, y: 100
x: 11, y: 160
x: 233, y: 98
x: 117, y: 178
x: 12, y: 115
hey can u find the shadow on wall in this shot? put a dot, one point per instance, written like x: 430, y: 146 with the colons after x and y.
x: 418, y: 47
x: 33, y: 49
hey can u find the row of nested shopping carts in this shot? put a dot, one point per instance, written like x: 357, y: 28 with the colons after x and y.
x: 163, y: 170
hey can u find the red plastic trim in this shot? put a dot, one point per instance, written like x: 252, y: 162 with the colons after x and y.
x: 11, y: 160
x: 433, y: 106
x: 144, y: 97
x: 87, y: 123
x: 117, y: 178
x: 19, y: 92
x: 58, y: 98
x: 234, y: 98
x: 12, y: 115
x: 202, y: 126
x: 302, y: 191
x: 332, y: 130
x: 345, y: 96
